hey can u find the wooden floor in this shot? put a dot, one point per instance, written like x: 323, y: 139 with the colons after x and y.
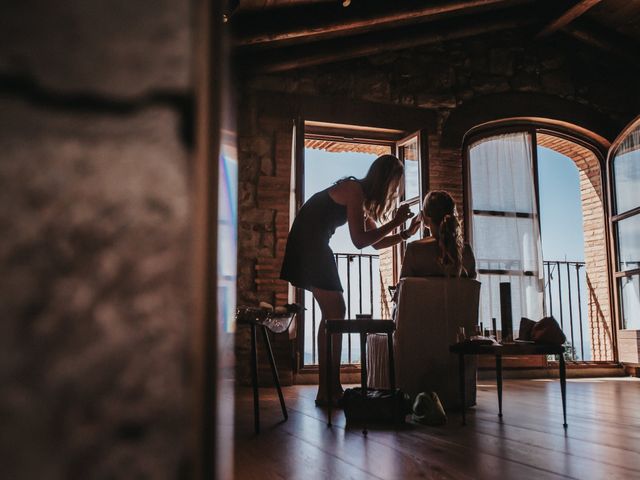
x: 601, y: 442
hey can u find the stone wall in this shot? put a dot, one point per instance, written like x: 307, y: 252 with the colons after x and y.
x: 95, y: 229
x: 263, y: 210
x: 439, y: 78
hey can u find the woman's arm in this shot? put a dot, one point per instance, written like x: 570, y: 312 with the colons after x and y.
x: 355, y: 216
x: 391, y: 240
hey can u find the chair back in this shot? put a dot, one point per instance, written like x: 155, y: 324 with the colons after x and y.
x: 429, y: 312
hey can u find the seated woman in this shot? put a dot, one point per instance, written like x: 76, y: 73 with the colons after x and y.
x: 444, y: 253
x: 430, y: 310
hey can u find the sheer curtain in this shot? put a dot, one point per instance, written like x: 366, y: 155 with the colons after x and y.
x: 505, y: 231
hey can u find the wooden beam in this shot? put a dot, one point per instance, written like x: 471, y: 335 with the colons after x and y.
x: 331, y: 109
x: 567, y: 17
x: 366, y: 23
x: 344, y: 49
x: 608, y: 42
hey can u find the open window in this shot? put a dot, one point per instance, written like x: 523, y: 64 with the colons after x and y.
x: 624, y: 185
x: 412, y: 152
x: 325, y: 152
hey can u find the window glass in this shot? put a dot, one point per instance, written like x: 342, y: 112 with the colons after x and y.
x: 630, y: 299
x: 629, y: 243
x: 505, y: 243
x: 626, y: 173
x: 411, y: 169
x: 501, y: 174
x: 415, y: 208
x: 525, y: 295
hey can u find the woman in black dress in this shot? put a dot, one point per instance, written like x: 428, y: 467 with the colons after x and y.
x: 309, y: 262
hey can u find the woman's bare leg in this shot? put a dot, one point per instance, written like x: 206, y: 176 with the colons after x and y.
x: 332, y: 306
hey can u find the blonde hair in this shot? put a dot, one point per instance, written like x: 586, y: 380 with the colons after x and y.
x: 441, y: 209
x: 381, y: 186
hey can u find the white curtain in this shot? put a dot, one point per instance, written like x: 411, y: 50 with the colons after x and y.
x: 504, y: 225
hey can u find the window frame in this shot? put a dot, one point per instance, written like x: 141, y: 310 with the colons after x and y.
x: 421, y: 138
x: 602, y: 153
x: 614, y: 219
x: 306, y: 128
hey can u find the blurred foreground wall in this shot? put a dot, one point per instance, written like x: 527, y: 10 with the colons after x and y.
x: 95, y: 225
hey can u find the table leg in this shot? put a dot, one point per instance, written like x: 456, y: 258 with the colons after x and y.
x: 463, y: 400
x: 392, y: 365
x: 254, y: 379
x: 274, y: 372
x: 499, y: 383
x: 363, y: 362
x: 563, y: 389
x: 328, y: 355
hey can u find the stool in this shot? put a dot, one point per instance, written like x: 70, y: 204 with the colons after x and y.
x: 258, y: 318
x: 254, y: 374
x: 363, y: 328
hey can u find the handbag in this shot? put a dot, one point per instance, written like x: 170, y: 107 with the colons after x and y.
x: 546, y: 331
x: 375, y: 405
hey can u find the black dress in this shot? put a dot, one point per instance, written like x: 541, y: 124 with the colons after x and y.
x: 308, y: 260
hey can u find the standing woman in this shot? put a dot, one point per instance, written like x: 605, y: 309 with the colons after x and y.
x: 309, y: 262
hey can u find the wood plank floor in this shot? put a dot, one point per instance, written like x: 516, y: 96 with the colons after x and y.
x: 601, y: 442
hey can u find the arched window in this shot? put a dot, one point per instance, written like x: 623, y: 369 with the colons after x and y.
x: 502, y: 213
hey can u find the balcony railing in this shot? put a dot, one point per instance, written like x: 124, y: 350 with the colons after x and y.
x: 360, y: 277
x: 565, y: 299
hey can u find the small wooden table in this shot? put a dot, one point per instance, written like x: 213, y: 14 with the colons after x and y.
x: 511, y: 349
x: 362, y: 327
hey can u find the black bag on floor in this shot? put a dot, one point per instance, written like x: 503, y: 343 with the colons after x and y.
x: 377, y: 406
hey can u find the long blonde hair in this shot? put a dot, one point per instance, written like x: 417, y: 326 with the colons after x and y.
x: 381, y: 186
x: 441, y: 209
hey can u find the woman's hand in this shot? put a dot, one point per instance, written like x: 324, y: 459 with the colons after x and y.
x: 415, y: 225
x: 402, y: 214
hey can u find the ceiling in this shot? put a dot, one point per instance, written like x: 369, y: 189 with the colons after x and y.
x: 275, y: 35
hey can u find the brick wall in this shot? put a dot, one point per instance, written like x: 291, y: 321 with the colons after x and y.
x: 263, y: 212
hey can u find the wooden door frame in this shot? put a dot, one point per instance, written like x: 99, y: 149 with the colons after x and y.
x: 338, y: 134
x: 209, y: 84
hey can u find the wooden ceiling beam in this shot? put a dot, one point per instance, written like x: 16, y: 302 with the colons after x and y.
x: 567, y: 17
x: 365, y: 45
x: 350, y: 25
x: 608, y: 42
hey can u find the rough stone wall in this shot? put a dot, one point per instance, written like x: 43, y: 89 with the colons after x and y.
x: 442, y: 78
x: 95, y: 229
x: 263, y: 210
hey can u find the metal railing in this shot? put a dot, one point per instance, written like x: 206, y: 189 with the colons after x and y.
x: 360, y: 277
x: 565, y: 291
